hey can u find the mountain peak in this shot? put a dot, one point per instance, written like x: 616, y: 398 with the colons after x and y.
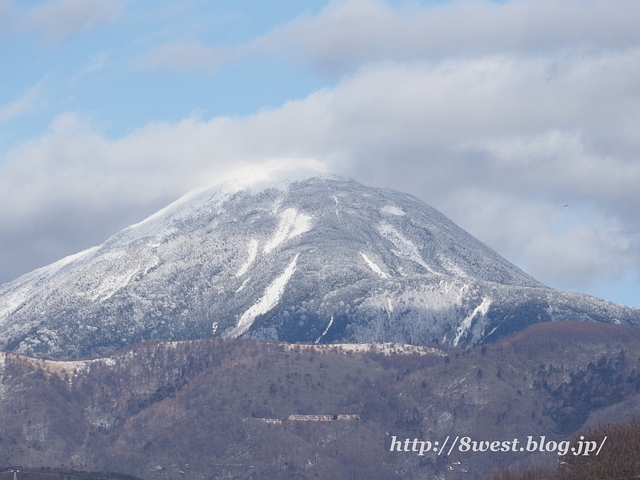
x: 274, y: 174
x: 291, y: 253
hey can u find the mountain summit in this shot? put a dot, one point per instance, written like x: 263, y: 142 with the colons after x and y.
x: 287, y: 257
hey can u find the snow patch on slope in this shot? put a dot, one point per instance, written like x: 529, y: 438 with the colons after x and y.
x: 117, y: 274
x: 111, y: 272
x: 14, y: 294
x: 269, y: 300
x: 464, y: 327
x: 291, y: 225
x: 451, y: 267
x: 406, y: 248
x: 253, y: 251
x: 434, y: 306
x: 325, y: 330
x: 111, y: 285
x: 246, y: 280
x: 393, y: 210
x: 373, y: 266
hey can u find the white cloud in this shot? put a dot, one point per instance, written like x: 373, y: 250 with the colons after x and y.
x: 189, y: 54
x: 22, y: 105
x: 350, y: 33
x: 582, y: 256
x: 97, y: 62
x: 499, y: 142
x: 7, y: 11
x: 506, y: 221
x: 59, y: 20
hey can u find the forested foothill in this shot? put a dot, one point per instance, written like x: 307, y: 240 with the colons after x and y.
x: 214, y: 408
x: 619, y: 461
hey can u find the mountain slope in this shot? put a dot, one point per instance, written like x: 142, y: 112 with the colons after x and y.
x: 297, y: 259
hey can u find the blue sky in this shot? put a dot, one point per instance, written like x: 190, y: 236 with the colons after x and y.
x: 95, y: 71
x: 497, y: 113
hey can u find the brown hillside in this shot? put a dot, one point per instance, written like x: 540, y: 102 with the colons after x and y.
x: 213, y: 408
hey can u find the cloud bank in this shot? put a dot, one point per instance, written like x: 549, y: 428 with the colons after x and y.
x: 346, y: 34
x: 520, y: 121
x: 58, y: 20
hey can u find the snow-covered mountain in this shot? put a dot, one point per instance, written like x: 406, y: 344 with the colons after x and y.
x: 286, y: 257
